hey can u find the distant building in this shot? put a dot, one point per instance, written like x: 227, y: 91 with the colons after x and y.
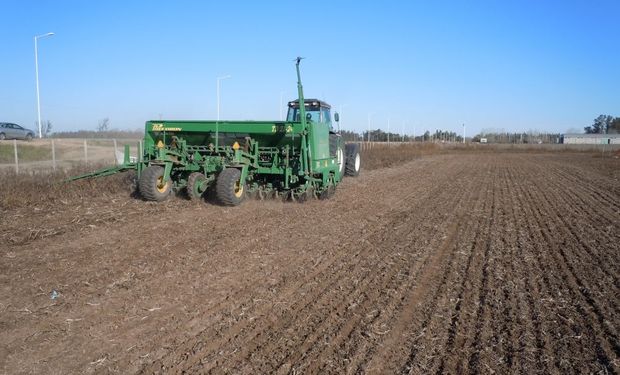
x: 591, y: 139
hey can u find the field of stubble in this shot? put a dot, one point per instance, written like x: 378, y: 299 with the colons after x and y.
x: 451, y: 263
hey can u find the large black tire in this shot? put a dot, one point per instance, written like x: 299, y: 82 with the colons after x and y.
x: 150, y: 184
x: 229, y: 190
x: 353, y: 161
x: 29, y: 137
x: 194, y: 182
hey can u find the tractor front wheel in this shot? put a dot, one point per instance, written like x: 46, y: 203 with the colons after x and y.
x: 152, y: 186
x: 341, y: 162
x: 229, y: 189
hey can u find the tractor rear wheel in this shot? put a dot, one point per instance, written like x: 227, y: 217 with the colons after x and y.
x: 229, y: 189
x: 194, y: 187
x: 152, y: 186
x: 353, y: 160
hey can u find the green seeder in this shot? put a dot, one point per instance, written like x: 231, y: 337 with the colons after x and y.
x: 296, y: 159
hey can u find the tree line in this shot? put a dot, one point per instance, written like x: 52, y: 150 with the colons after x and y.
x: 379, y: 135
x: 604, y: 124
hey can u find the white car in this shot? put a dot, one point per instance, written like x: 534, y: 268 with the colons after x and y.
x: 14, y: 131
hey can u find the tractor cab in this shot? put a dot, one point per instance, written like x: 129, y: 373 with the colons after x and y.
x: 317, y: 111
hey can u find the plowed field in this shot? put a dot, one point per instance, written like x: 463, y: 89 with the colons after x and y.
x: 471, y: 263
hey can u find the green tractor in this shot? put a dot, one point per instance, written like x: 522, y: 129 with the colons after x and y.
x: 296, y: 159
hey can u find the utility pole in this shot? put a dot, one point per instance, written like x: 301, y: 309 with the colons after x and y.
x: 388, y: 133
x: 463, y: 132
x: 369, y: 116
x: 218, y: 94
x: 281, y: 103
x: 36, y: 71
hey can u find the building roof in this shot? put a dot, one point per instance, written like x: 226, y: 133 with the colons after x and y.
x: 577, y: 135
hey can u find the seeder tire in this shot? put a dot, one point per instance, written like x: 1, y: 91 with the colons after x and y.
x: 353, y: 160
x: 193, y: 182
x: 228, y: 189
x: 151, y: 184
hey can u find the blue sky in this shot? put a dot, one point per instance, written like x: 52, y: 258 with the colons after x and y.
x: 513, y: 65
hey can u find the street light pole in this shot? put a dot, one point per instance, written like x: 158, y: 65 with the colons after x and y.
x: 36, y: 71
x: 463, y: 133
x: 218, y: 94
x: 281, y: 103
x: 369, y: 115
x: 388, y: 132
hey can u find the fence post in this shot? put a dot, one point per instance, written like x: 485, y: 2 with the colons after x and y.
x: 16, y: 160
x: 85, y: 152
x: 53, y: 156
x: 114, y: 140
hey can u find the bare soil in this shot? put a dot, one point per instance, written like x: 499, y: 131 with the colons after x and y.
x: 459, y: 263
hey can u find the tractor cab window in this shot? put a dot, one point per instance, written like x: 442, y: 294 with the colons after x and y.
x: 326, y: 116
x: 313, y: 113
x: 313, y: 116
x: 294, y: 115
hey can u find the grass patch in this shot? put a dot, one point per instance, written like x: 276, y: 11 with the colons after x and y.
x: 25, y: 153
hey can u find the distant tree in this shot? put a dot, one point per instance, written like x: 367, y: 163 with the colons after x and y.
x: 47, y: 128
x: 601, y: 125
x: 110, y: 134
x: 531, y: 136
x: 103, y: 125
x: 614, y: 127
x: 349, y: 135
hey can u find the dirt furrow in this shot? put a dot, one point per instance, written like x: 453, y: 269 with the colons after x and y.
x: 351, y: 302
x: 602, y: 236
x: 254, y: 328
x: 565, y: 281
x: 579, y: 260
x: 534, y: 340
x: 429, y: 351
x: 420, y: 303
x: 596, y: 187
x: 461, y: 263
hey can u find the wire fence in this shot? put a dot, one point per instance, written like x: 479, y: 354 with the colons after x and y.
x: 603, y: 148
x: 61, y: 154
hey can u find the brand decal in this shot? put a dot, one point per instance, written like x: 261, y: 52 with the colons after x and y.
x: 161, y: 128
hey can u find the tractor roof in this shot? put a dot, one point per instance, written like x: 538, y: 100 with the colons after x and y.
x: 309, y: 102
